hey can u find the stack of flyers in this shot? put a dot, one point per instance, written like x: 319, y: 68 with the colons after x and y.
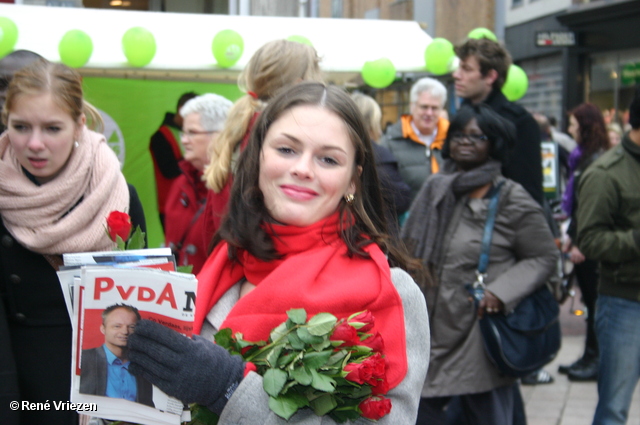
x: 105, y: 302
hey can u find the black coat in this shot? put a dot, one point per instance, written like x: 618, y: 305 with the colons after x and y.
x: 524, y: 164
x: 38, y: 335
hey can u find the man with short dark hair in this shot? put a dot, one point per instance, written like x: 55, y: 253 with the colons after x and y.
x: 483, y: 69
x: 609, y: 232
x: 417, y: 138
x: 104, y: 370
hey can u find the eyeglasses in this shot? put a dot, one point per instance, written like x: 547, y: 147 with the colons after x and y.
x: 189, y: 134
x: 476, y: 139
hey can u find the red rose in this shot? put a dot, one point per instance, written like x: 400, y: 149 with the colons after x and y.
x: 346, y: 333
x: 375, y: 342
x: 119, y: 224
x: 363, y: 321
x: 378, y: 366
x: 375, y: 407
x: 359, y: 373
x: 381, y: 387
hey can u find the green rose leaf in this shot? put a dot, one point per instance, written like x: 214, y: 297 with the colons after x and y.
x: 287, y: 359
x: 321, y: 346
x: 200, y: 415
x: 283, y: 406
x: 321, y: 324
x: 297, y: 315
x: 224, y: 338
x: 273, y: 381
x: 317, y: 360
x: 337, y: 357
x: 272, y: 357
x: 120, y: 244
x: 305, y: 336
x: 302, y: 375
x: 295, y: 341
x: 185, y: 269
x: 323, y: 404
x: 278, y: 332
x: 136, y: 240
x: 322, y: 382
x: 347, y: 413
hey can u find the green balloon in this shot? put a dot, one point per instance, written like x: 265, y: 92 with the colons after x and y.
x: 300, y: 39
x: 482, y: 33
x: 8, y: 36
x: 517, y: 83
x: 75, y: 48
x: 227, y: 48
x: 379, y: 73
x: 438, y: 56
x: 139, y: 46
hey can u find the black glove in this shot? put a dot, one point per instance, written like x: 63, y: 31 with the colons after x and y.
x: 192, y: 370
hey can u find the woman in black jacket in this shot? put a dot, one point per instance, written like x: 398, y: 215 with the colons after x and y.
x: 59, y: 181
x: 587, y: 127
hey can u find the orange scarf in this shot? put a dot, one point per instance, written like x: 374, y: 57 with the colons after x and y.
x: 316, y: 274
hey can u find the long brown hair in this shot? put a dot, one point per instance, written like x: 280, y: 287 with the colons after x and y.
x: 592, y: 132
x: 242, y: 228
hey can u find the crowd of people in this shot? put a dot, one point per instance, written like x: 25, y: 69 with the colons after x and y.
x: 293, y: 197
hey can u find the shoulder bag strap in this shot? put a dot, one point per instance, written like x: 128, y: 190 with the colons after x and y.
x: 488, y: 230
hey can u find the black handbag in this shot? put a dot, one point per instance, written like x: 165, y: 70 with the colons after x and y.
x: 523, y: 340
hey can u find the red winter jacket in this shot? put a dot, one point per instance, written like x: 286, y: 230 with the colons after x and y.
x: 185, y: 218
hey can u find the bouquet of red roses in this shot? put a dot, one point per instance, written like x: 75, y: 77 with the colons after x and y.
x: 334, y: 367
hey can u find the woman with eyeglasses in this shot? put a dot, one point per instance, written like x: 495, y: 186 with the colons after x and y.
x: 203, y: 119
x: 445, y: 227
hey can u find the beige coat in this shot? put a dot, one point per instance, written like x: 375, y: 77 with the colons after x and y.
x: 522, y: 257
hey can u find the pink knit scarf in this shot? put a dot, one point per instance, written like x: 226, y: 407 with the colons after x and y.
x: 45, y: 218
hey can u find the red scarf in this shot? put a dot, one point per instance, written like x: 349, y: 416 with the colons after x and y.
x: 316, y: 274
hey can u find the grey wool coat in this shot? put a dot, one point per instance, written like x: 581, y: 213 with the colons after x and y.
x: 523, y: 256
x: 249, y: 403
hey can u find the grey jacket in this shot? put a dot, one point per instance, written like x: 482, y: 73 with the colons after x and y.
x: 249, y: 403
x: 413, y: 163
x: 522, y: 257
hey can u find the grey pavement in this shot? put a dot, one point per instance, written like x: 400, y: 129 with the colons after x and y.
x: 564, y: 402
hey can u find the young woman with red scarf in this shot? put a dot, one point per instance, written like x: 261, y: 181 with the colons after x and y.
x: 305, y: 229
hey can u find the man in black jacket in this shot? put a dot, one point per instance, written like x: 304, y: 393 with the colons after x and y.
x: 479, y: 78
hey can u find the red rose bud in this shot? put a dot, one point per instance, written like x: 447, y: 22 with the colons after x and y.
x: 363, y: 322
x: 375, y: 342
x: 119, y: 224
x: 346, y: 333
x: 375, y: 407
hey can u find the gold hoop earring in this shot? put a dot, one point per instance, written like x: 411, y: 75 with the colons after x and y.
x: 350, y: 198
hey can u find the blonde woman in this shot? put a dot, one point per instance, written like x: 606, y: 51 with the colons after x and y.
x: 276, y: 65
